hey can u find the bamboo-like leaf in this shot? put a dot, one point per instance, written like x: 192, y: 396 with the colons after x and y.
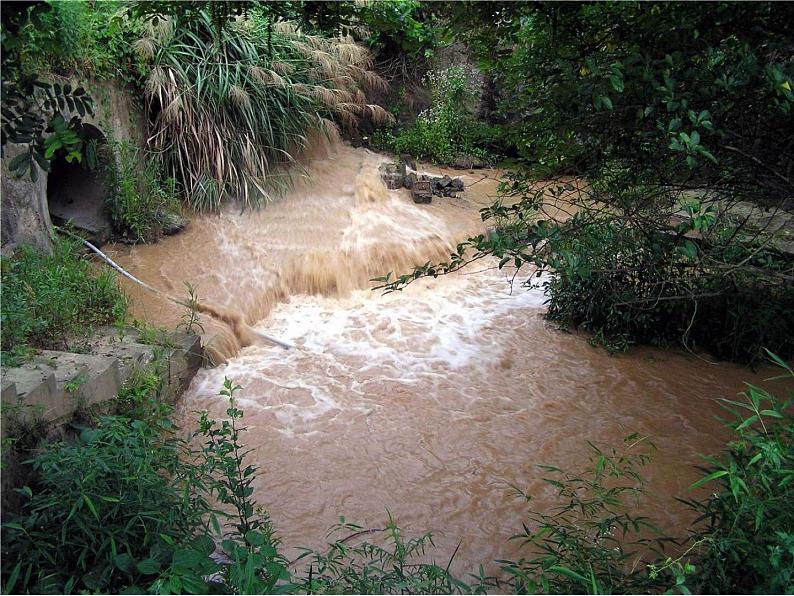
x: 709, y: 478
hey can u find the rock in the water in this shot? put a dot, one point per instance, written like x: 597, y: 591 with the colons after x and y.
x: 422, y: 191
x: 444, y: 181
x: 391, y: 176
x: 443, y: 186
x: 408, y: 161
x: 466, y: 161
x: 173, y: 223
x: 409, y: 180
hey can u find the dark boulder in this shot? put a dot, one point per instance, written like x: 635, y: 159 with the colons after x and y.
x: 466, y: 161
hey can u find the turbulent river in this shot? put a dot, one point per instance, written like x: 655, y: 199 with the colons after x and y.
x: 429, y: 402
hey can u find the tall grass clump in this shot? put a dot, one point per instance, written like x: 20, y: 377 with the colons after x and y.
x: 50, y: 298
x: 228, y: 108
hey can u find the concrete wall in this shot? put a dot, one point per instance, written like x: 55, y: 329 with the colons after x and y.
x: 24, y: 214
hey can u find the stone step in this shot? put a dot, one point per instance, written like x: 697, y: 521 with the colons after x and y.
x: 55, y: 384
x: 30, y: 392
x: 82, y: 379
x: 124, y: 345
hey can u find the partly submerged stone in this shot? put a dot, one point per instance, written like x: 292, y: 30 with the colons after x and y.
x: 173, y: 223
x: 467, y: 161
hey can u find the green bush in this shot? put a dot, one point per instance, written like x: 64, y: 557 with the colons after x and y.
x: 141, y: 201
x: 447, y: 128
x: 637, y: 284
x: 50, y: 298
x: 107, y: 511
x: 589, y: 541
x: 748, y: 539
x: 68, y: 36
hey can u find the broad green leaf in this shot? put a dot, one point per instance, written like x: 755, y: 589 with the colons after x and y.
x: 148, y: 566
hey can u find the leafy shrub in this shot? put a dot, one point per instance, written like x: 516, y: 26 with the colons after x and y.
x: 32, y: 116
x: 588, y: 543
x: 114, y: 497
x: 369, y: 568
x: 70, y: 36
x: 47, y: 298
x: 634, y: 283
x: 398, y: 28
x: 447, y: 128
x: 748, y: 540
x: 141, y: 202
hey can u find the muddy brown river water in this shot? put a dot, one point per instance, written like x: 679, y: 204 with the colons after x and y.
x: 430, y: 402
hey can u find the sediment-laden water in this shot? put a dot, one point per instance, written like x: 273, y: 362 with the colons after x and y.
x: 429, y: 402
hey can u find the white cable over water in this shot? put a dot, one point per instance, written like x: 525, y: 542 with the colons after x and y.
x: 120, y: 269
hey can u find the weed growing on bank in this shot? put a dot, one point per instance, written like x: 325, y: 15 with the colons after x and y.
x: 126, y: 507
x: 447, y: 128
x: 141, y: 201
x: 48, y: 298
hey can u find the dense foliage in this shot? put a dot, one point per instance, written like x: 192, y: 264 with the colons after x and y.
x: 447, y: 130
x: 680, y: 121
x: 41, y: 42
x: 748, y: 541
x: 50, y: 300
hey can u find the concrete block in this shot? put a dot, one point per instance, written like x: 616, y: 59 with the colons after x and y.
x: 36, y: 391
x: 84, y: 379
x: 123, y: 345
x: 9, y: 393
x: 183, y: 362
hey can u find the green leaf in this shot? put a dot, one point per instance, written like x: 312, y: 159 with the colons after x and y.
x: 569, y: 573
x: 148, y: 567
x: 617, y: 83
x: 709, y: 478
x: 204, y: 544
x: 91, y: 506
x: 20, y: 159
x: 125, y: 562
x: 747, y: 422
x: 188, y: 558
x: 254, y: 538
x: 12, y: 579
x: 772, y: 413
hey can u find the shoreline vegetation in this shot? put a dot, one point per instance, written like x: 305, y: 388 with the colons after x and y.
x: 681, y: 119
x: 133, y: 500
